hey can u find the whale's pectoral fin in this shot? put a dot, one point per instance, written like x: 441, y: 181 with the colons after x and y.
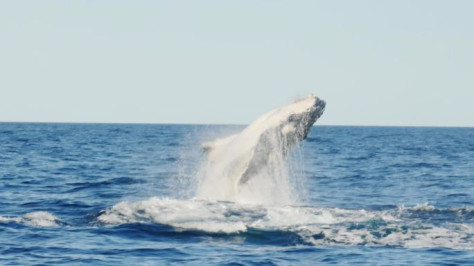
x: 259, y: 159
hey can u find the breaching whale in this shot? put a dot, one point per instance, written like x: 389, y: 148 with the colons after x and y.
x: 262, y: 145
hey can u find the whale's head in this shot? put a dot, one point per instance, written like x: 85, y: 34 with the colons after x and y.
x: 274, y: 134
x: 296, y: 119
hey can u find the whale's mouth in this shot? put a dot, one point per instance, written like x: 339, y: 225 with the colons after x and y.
x: 253, y: 165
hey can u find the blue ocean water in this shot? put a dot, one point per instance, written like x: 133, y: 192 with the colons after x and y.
x: 113, y: 194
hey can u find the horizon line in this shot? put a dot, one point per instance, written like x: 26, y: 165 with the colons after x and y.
x: 219, y: 124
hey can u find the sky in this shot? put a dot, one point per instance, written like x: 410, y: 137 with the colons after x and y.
x: 391, y: 63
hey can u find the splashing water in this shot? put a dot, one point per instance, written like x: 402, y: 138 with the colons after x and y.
x: 247, y: 184
x: 252, y: 166
x: 406, y: 227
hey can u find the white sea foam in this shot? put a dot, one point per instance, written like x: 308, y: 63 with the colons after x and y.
x: 318, y: 226
x: 423, y: 207
x: 8, y: 219
x: 41, y: 218
x: 38, y: 218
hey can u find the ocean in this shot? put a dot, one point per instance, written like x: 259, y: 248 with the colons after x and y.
x: 131, y: 194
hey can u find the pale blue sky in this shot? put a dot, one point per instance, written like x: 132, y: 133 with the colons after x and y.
x: 375, y: 62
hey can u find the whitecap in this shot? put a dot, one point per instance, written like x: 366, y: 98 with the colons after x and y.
x: 38, y: 218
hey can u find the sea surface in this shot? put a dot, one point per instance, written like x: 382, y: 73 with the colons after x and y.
x: 120, y: 194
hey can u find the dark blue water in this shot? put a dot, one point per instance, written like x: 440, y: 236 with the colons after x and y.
x: 123, y: 195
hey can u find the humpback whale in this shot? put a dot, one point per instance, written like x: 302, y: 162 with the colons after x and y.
x: 261, y: 147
